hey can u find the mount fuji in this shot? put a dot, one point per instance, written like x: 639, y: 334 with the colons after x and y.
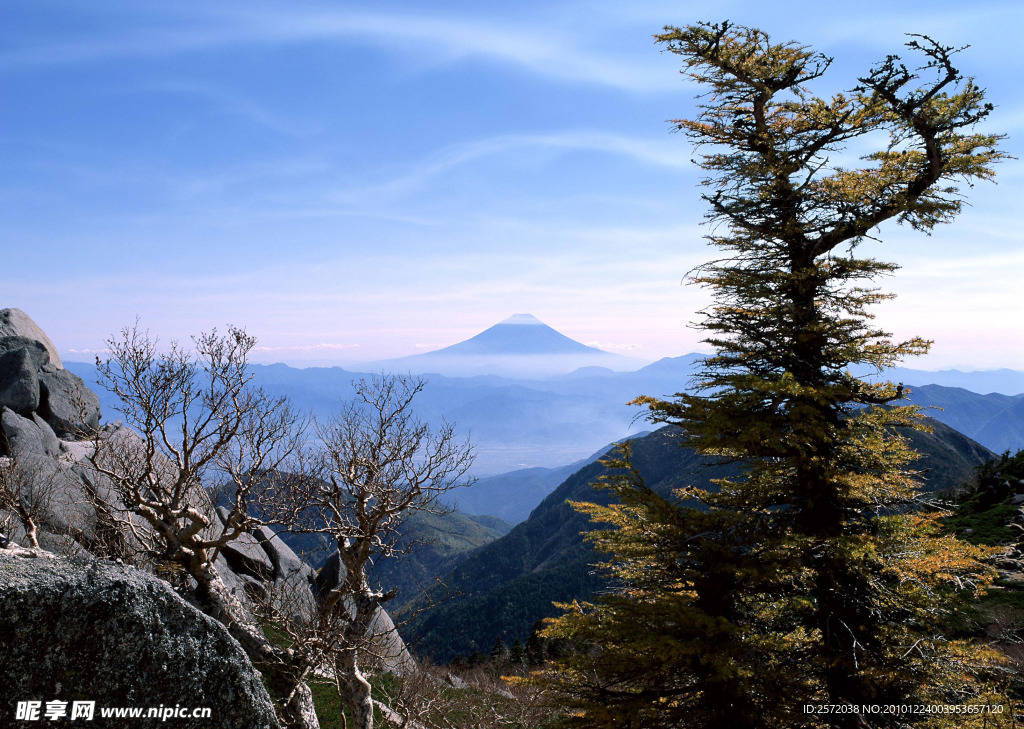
x: 519, y: 346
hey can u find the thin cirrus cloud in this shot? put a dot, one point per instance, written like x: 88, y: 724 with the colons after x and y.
x: 437, y: 40
x: 655, y: 153
x: 380, y: 175
x: 222, y: 101
x: 319, y: 347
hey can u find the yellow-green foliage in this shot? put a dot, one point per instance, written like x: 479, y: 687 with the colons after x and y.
x: 815, y: 578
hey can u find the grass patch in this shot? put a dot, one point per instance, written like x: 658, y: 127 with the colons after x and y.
x: 331, y: 712
x: 989, y: 526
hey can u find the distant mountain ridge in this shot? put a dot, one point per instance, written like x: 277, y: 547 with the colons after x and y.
x: 547, y: 423
x: 994, y: 420
x: 513, y: 495
x: 1002, y: 381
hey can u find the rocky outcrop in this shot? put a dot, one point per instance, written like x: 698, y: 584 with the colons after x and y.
x: 36, y: 351
x: 49, y: 431
x: 34, y: 386
x: 245, y: 555
x: 294, y: 579
x: 19, y: 384
x: 285, y: 560
x: 28, y: 436
x: 91, y: 630
x: 16, y: 323
x: 66, y: 403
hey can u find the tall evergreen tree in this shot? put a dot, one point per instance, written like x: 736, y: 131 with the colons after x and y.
x: 814, y: 578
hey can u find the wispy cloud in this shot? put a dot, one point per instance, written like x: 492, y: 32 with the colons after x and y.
x: 539, y: 50
x: 319, y: 347
x: 222, y: 100
x: 666, y: 153
x: 614, y: 347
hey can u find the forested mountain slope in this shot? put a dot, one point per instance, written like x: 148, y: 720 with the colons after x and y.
x: 509, y: 584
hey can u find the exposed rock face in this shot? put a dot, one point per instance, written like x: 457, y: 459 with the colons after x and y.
x: 68, y: 511
x: 34, y: 385
x: 36, y: 350
x: 26, y: 435
x: 294, y: 578
x: 19, y: 384
x: 66, y: 403
x: 91, y: 630
x: 285, y: 560
x: 16, y: 323
x: 245, y: 555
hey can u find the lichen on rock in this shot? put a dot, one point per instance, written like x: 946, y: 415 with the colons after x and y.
x: 97, y: 631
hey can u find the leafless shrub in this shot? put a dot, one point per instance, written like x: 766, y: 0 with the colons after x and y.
x: 1005, y: 624
x: 195, y: 421
x: 26, y: 490
x: 475, y: 698
x: 378, y: 464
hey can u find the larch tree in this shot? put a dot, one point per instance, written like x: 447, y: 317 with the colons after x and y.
x: 816, y: 577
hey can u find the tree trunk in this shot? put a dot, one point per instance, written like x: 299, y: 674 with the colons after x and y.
x: 32, y: 534
x: 283, y: 678
x: 28, y: 523
x: 355, y: 690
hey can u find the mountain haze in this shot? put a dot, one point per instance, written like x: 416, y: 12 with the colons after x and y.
x: 548, y: 423
x: 1001, y: 381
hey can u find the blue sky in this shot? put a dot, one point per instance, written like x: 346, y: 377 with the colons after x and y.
x: 353, y: 181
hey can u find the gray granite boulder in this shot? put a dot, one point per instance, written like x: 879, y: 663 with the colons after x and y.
x: 285, y: 561
x: 292, y: 588
x: 64, y: 507
x: 232, y: 580
x: 28, y: 436
x: 244, y: 553
x: 36, y: 351
x: 19, y: 384
x: 92, y: 630
x: 57, y: 544
x: 66, y: 403
x: 15, y: 322
x: 330, y: 575
x: 390, y: 649
x: 51, y: 443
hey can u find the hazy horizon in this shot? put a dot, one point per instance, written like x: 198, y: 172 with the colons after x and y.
x: 357, y: 183
x: 260, y: 356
